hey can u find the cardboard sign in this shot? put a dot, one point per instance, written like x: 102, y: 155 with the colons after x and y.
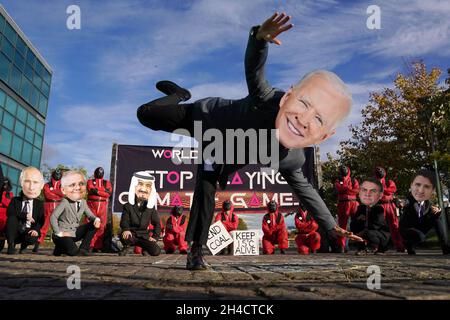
x: 218, y: 238
x: 246, y: 242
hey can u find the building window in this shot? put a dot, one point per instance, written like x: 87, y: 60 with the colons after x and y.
x: 5, y: 146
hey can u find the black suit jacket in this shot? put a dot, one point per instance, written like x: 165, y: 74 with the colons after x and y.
x: 137, y: 220
x: 15, y: 210
x: 258, y: 111
x: 369, y: 218
x: 410, y: 217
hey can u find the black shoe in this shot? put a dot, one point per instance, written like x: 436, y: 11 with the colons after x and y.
x: 195, y: 258
x: 83, y: 253
x: 11, y: 250
x: 23, y: 247
x: 124, y: 251
x: 56, y: 253
x: 446, y: 250
x: 170, y: 251
x: 2, y: 244
x: 36, y: 247
x: 411, y: 251
x: 282, y: 251
x: 169, y: 88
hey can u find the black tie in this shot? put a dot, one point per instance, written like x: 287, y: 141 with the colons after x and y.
x: 78, y: 206
x: 26, y: 207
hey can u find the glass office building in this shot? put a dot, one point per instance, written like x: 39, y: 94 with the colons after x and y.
x: 25, y: 79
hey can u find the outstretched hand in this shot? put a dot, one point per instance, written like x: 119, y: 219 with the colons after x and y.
x: 273, y: 26
x: 344, y: 233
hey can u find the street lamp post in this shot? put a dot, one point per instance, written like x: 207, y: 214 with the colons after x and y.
x: 426, y: 115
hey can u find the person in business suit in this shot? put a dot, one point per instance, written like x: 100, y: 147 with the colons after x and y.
x: 138, y: 213
x: 25, y: 213
x: 66, y: 218
x: 420, y: 216
x: 308, y: 113
x: 369, y: 220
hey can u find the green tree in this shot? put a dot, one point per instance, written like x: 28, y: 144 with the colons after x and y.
x: 393, y: 133
x: 47, y: 170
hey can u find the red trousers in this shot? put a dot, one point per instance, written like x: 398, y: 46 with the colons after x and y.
x: 307, y: 242
x: 390, y: 214
x: 99, y: 209
x: 346, y: 209
x: 279, y: 237
x: 48, y: 210
x: 172, y: 240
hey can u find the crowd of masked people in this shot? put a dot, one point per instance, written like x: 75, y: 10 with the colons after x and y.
x: 76, y: 209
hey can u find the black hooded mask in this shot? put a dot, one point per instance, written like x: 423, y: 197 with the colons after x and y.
x: 177, y: 211
x: 272, y: 206
x: 226, y: 205
x: 98, y: 173
x: 57, y: 174
x: 380, y: 173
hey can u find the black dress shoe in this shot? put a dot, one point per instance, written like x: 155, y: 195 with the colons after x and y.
x: 446, y: 250
x: 36, y: 247
x: 282, y: 251
x: 83, y: 253
x: 2, y: 244
x: 23, y: 247
x: 56, y: 253
x: 411, y: 251
x: 11, y: 250
x: 195, y: 259
x: 169, y: 88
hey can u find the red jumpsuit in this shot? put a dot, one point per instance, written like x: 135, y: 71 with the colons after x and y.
x: 347, y: 202
x: 230, y: 221
x: 175, y: 232
x: 275, y: 232
x: 53, y: 196
x: 307, y: 239
x: 390, y: 212
x: 99, y: 191
x: 6, y: 199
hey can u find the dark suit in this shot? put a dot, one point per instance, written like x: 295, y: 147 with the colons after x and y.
x: 136, y: 220
x: 414, y: 229
x: 16, y: 230
x: 256, y: 111
x: 370, y: 224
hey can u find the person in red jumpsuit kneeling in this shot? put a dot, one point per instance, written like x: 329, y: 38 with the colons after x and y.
x: 5, y: 199
x: 229, y: 220
x: 390, y: 212
x: 347, y: 190
x: 175, y: 231
x: 307, y: 239
x: 53, y: 196
x: 274, y: 230
x: 99, y: 190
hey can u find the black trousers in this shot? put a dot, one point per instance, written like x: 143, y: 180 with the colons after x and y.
x: 67, y: 245
x: 150, y: 246
x: 14, y: 234
x: 413, y: 237
x: 375, y: 240
x: 167, y: 115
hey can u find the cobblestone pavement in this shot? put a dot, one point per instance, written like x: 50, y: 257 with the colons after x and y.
x: 290, y: 276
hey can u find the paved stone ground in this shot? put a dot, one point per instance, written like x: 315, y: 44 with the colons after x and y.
x: 290, y: 276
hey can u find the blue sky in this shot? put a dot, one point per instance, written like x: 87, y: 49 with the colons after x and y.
x: 104, y: 71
